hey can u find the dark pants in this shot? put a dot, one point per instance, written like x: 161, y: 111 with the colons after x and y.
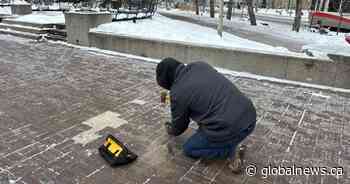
x: 198, y: 146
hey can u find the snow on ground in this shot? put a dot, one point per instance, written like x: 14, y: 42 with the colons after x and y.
x: 43, y: 18
x: 5, y: 10
x: 162, y: 28
x: 276, y: 29
x: 280, y: 13
x: 53, y: 6
x: 330, y: 45
x: 327, y: 43
x: 19, y: 2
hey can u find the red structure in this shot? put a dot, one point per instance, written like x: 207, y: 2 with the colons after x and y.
x: 330, y: 13
x: 347, y: 38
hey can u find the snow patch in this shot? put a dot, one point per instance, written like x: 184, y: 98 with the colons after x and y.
x: 329, y: 45
x: 53, y: 6
x: 5, y: 10
x: 57, y: 18
x: 281, y: 13
x: 318, y: 44
x: 320, y: 95
x: 19, y: 2
x: 88, y: 152
x: 138, y: 102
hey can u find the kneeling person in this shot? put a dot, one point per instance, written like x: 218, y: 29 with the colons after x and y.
x: 225, y: 116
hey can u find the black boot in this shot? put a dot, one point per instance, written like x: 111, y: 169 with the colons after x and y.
x: 236, y: 164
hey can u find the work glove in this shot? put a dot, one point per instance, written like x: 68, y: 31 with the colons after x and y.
x: 169, y: 128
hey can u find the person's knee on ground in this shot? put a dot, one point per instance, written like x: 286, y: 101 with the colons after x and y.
x: 187, y: 150
x: 193, y: 143
x: 209, y: 153
x: 197, y: 146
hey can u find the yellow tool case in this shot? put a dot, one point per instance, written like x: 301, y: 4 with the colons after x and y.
x: 115, y: 152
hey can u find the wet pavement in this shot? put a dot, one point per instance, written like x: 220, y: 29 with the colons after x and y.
x: 57, y: 103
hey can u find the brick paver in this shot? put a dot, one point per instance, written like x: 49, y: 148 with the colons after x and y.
x: 48, y: 90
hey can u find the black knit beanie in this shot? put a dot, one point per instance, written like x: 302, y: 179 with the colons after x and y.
x: 166, y: 72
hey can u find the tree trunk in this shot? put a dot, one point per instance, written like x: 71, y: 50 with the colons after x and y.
x: 251, y: 12
x: 326, y: 5
x: 288, y: 6
x: 229, y: 10
x: 196, y: 5
x: 167, y: 4
x: 221, y: 18
x: 341, y: 16
x: 321, y: 5
x: 297, y: 19
x: 212, y: 8
x: 273, y: 4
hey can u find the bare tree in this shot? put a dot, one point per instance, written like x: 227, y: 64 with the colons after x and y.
x: 273, y: 4
x: 297, y: 19
x: 229, y: 10
x: 221, y: 18
x: 196, y: 5
x: 212, y: 8
x: 288, y: 6
x: 251, y: 12
x: 167, y: 4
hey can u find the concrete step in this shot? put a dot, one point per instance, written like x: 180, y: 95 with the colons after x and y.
x: 29, y: 24
x: 60, y: 32
x: 32, y: 30
x: 56, y: 37
x: 57, y: 34
x: 22, y: 28
x: 20, y: 34
x: 3, y: 17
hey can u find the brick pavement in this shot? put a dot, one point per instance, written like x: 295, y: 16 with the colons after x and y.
x: 48, y: 90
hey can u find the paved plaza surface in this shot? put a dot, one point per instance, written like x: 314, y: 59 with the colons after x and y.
x: 57, y: 103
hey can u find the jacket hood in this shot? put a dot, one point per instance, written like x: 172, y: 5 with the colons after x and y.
x: 166, y: 71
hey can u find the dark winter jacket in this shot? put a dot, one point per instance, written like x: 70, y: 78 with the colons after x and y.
x: 200, y: 93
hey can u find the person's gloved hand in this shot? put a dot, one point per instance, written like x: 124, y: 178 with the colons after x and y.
x: 169, y: 128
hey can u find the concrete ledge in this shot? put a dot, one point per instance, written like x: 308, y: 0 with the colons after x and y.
x: 20, y: 34
x: 29, y: 24
x: 21, y: 9
x: 78, y: 24
x: 21, y: 28
x: 325, y: 72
